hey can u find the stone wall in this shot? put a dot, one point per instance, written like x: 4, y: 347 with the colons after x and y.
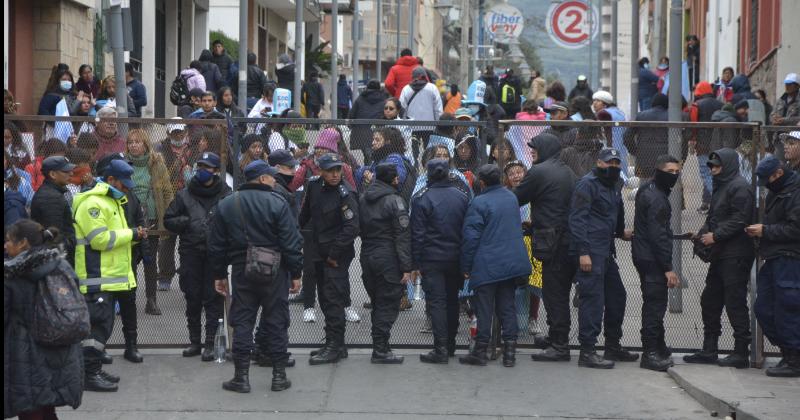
x: 764, y: 76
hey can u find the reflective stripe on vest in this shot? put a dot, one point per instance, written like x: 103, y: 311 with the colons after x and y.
x: 91, y: 235
x: 99, y: 281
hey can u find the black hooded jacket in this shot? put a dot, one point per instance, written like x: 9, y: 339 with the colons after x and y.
x: 652, y: 244
x: 741, y: 86
x: 191, y: 211
x: 548, y: 186
x: 285, y: 76
x: 211, y: 72
x: 224, y: 62
x: 385, y: 229
x: 732, y: 205
x: 782, y: 221
x: 368, y: 106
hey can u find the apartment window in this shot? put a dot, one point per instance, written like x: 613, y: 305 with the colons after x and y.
x: 753, y: 31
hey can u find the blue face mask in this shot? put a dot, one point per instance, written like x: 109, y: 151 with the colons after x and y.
x: 65, y: 85
x: 203, y: 176
x: 115, y: 193
x: 646, y: 65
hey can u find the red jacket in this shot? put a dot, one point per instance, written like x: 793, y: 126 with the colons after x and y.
x: 35, y: 170
x: 400, y: 75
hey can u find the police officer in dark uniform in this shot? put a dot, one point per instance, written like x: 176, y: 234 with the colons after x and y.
x: 385, y: 256
x: 548, y: 186
x: 330, y: 212
x: 732, y: 254
x: 256, y: 219
x: 778, y: 295
x: 596, y: 217
x: 437, y: 218
x: 652, y: 257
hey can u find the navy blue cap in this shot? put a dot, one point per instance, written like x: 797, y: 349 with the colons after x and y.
x: 209, y: 159
x: 57, y: 163
x: 120, y: 170
x: 766, y: 168
x: 438, y: 169
x: 282, y: 157
x: 257, y: 168
x: 386, y: 172
x: 490, y: 174
x: 102, y: 164
x: 609, y: 154
x: 328, y: 161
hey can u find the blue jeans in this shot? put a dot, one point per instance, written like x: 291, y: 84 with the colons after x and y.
x: 705, y: 175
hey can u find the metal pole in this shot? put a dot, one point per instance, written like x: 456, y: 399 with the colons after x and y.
x: 118, y: 49
x: 475, y: 47
x: 397, y: 29
x: 299, y: 56
x: 675, y: 141
x: 464, y: 48
x: 242, y: 56
x: 412, y: 20
x: 614, y: 29
x: 335, y: 60
x: 634, y: 57
x: 378, y: 31
x: 590, y: 18
x: 356, y: 34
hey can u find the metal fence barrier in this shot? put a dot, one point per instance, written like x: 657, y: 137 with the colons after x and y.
x: 32, y: 139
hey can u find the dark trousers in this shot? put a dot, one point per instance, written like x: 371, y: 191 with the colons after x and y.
x: 43, y: 413
x: 166, y: 258
x: 333, y: 288
x: 127, y: 313
x: 777, y: 305
x: 384, y: 290
x: 197, y: 285
x: 273, y: 300
x: 496, y: 298
x: 726, y: 287
x: 101, y: 318
x: 150, y: 267
x: 557, y: 275
x: 342, y: 112
x: 441, y: 283
x: 602, y: 303
x: 654, y: 305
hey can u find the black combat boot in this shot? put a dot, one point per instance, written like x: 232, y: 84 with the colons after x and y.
x: 330, y: 353
x: 114, y: 379
x: 589, y: 358
x: 241, y: 377
x: 342, y: 351
x: 708, y: 355
x: 193, y: 350
x: 557, y: 351
x: 106, y: 358
x: 654, y: 360
x: 279, y: 380
x: 615, y: 352
x: 739, y: 358
x: 208, y: 353
x: 509, y: 353
x: 789, y: 367
x: 96, y: 382
x: 438, y: 354
x: 477, y: 357
x: 382, y: 354
x: 131, y: 351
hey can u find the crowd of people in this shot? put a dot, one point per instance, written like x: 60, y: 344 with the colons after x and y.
x: 520, y: 230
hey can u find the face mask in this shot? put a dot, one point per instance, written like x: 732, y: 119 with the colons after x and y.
x: 777, y: 185
x: 177, y: 143
x: 610, y: 174
x: 65, y: 85
x: 203, y: 176
x: 663, y: 66
x: 665, y: 180
x: 646, y: 65
x: 77, y: 175
x: 295, y: 135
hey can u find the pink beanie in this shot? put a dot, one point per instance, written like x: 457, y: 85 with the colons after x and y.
x: 328, y: 139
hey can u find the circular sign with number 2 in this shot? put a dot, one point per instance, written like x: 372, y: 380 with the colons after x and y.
x: 571, y: 24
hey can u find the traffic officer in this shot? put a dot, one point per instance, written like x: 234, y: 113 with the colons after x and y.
x: 256, y: 219
x: 595, y: 218
x: 103, y: 262
x: 732, y: 254
x: 385, y: 256
x: 652, y: 257
x: 437, y: 217
x: 548, y: 186
x: 779, y: 278
x: 330, y: 212
x: 188, y: 216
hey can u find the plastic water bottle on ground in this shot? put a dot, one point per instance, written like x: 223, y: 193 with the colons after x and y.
x: 473, y: 331
x: 220, y: 343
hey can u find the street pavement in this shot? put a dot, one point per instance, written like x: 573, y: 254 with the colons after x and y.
x: 167, y: 386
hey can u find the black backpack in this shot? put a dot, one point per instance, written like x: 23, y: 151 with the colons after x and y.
x: 179, y: 91
x: 60, y: 314
x: 411, y: 181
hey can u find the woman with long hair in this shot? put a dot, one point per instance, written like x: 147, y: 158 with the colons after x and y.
x: 87, y: 82
x: 555, y: 93
x: 18, y: 152
x: 107, y: 96
x: 388, y: 146
x: 154, y: 191
x: 226, y: 103
x: 60, y: 86
x: 42, y: 377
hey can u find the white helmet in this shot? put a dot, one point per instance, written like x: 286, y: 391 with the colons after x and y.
x: 603, y: 96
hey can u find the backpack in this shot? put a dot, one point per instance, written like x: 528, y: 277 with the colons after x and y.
x: 179, y: 91
x: 60, y: 314
x: 508, y: 95
x: 411, y: 181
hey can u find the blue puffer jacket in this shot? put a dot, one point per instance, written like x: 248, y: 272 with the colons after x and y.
x: 437, y: 216
x: 492, y: 248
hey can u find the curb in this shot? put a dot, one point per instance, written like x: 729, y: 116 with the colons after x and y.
x: 711, y: 402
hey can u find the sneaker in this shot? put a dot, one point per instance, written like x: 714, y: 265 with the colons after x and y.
x: 533, y: 327
x: 351, y: 315
x: 164, y: 286
x: 309, y: 315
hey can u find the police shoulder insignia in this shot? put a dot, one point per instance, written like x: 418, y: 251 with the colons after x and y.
x: 314, y: 178
x: 400, y: 203
x: 347, y: 212
x: 343, y: 190
x: 94, y: 212
x: 403, y: 220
